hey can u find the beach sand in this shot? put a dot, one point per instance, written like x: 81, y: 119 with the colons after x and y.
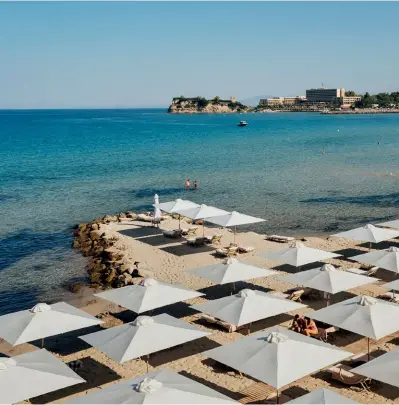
x: 167, y: 260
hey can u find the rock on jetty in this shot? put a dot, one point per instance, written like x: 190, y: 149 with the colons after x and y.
x: 183, y: 105
x: 108, y: 265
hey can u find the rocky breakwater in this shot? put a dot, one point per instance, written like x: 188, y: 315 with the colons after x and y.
x: 183, y: 105
x: 109, y: 265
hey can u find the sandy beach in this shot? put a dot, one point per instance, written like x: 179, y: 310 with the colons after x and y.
x: 166, y: 260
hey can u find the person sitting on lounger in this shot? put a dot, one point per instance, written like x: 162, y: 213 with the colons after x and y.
x: 298, y: 324
x: 310, y: 327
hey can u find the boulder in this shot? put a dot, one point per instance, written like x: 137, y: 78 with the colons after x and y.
x: 82, y: 227
x: 76, y: 244
x: 123, y: 280
x: 111, y: 276
x: 75, y: 287
x: 113, y: 254
x: 95, y: 235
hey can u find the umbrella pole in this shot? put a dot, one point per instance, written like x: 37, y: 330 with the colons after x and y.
x: 234, y: 237
x: 277, y: 396
x: 179, y: 221
x: 249, y: 328
x: 42, y: 343
x: 148, y: 360
x: 368, y: 349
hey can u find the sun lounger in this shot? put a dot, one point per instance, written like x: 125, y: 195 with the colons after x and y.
x: 261, y: 393
x: 325, y: 332
x: 342, y: 373
x: 190, y: 231
x: 390, y: 296
x: 172, y: 234
x: 280, y: 239
x: 230, y: 328
x: 226, y: 252
x: 215, y: 239
x: 243, y: 249
x: 196, y: 241
x: 369, y: 272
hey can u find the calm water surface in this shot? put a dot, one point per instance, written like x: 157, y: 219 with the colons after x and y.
x: 58, y: 168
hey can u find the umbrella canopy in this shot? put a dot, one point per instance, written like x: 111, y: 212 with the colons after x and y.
x: 201, y: 212
x: 42, y: 321
x: 157, y: 210
x: 393, y: 285
x: 142, y: 337
x: 158, y: 387
x: 391, y: 224
x: 299, y: 255
x: 322, y: 396
x: 369, y: 233
x: 269, y: 356
x: 174, y: 206
x: 230, y: 271
x: 328, y: 279
x: 384, y: 368
x: 148, y: 295
x: 234, y: 219
x: 247, y: 306
x: 387, y: 259
x: 32, y: 374
x: 363, y: 315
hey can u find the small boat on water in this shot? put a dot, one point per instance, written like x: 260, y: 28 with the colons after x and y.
x: 242, y: 124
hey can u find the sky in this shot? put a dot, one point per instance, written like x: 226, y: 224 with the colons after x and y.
x: 141, y: 54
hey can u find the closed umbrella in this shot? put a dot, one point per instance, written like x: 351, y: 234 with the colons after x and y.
x: 298, y: 255
x: 234, y: 219
x: 172, y: 207
x: 366, y: 316
x: 148, y: 295
x: 277, y: 356
x: 202, y: 212
x: 247, y: 306
x: 391, y: 224
x: 32, y: 374
x: 43, y: 321
x: 384, y: 368
x: 328, y: 279
x: 387, y: 259
x: 369, y: 233
x: 230, y: 271
x: 158, y: 387
x: 322, y: 396
x: 142, y: 337
x: 157, y: 210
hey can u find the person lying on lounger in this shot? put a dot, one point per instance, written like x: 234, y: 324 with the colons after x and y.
x: 310, y: 327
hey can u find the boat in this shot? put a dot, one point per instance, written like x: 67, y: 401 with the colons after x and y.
x: 242, y: 124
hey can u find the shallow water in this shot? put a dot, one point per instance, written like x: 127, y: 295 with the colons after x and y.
x: 58, y: 168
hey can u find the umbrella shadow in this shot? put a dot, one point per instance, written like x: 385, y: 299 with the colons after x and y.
x: 183, y: 249
x: 67, y: 343
x: 348, y: 252
x: 267, y: 323
x: 223, y: 290
x: 150, y: 236
x: 182, y: 351
x: 381, y: 245
x: 93, y: 372
x: 287, y: 268
x: 231, y: 394
x: 296, y: 391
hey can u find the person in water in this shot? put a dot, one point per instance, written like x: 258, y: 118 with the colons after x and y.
x: 195, y: 184
x: 188, y: 184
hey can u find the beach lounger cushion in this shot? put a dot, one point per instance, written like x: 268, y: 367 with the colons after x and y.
x: 280, y: 239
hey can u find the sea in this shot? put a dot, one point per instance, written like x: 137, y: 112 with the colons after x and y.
x: 305, y: 173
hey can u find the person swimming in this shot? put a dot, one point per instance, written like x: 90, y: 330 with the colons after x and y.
x: 195, y: 184
x: 188, y: 184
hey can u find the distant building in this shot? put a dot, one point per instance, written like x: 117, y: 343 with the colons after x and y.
x: 347, y: 101
x: 281, y: 100
x: 321, y: 95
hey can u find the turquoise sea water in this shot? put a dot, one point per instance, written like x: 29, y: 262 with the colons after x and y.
x: 58, y: 168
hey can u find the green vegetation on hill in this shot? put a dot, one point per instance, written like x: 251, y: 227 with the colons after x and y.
x: 382, y: 99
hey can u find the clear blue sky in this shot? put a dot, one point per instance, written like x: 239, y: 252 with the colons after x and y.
x: 55, y: 55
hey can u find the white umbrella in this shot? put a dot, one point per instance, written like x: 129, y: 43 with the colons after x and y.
x: 43, y: 321
x: 230, y: 271
x: 369, y: 233
x: 391, y: 224
x: 277, y: 356
x: 298, y: 255
x: 202, y: 212
x: 384, y: 368
x: 144, y: 336
x: 247, y: 306
x: 366, y: 316
x: 387, y: 259
x: 322, y: 396
x: 157, y: 210
x: 328, y: 279
x: 158, y: 387
x: 148, y: 295
x: 234, y: 219
x: 172, y: 207
x: 32, y: 374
